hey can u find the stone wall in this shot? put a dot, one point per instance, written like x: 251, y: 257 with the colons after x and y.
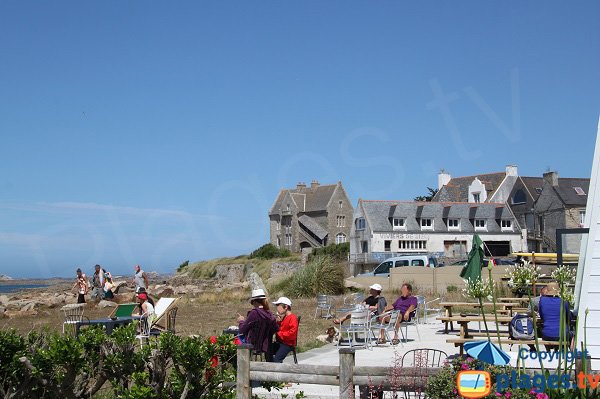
x: 229, y: 274
x: 284, y: 268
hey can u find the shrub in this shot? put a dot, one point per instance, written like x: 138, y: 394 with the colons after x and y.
x: 338, y: 252
x: 270, y: 251
x: 452, y: 288
x: 183, y: 266
x: 320, y: 276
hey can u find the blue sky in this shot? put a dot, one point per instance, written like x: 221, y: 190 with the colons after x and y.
x: 138, y: 132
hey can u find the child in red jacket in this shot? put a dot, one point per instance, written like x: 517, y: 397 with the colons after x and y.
x: 288, y: 330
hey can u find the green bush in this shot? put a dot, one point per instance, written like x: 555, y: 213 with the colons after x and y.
x: 338, y: 252
x: 270, y: 251
x: 452, y: 288
x: 50, y: 365
x: 321, y: 275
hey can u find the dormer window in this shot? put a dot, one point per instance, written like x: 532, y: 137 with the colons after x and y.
x: 453, y: 224
x: 287, y: 208
x: 506, y: 225
x: 426, y: 224
x: 360, y: 223
x: 399, y: 223
x: 480, y: 224
x: 477, y: 197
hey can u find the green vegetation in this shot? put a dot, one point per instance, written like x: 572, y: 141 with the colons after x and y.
x: 50, y: 365
x: 270, y: 251
x: 208, y: 269
x: 183, y: 266
x: 321, y: 275
x: 452, y: 288
x: 339, y: 252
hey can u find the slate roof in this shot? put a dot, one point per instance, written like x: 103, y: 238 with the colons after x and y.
x: 457, y: 189
x: 313, y: 226
x: 567, y: 193
x: 308, y: 199
x: 532, y: 184
x: 378, y: 214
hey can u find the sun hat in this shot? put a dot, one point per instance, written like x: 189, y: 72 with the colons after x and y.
x: 283, y: 300
x: 376, y: 287
x: 258, y: 294
x: 552, y: 289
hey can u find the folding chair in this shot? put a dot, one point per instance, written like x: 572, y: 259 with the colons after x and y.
x: 323, y: 303
x: 161, y: 310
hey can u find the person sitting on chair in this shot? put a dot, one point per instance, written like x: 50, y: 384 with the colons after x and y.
x: 549, y: 309
x: 406, y: 304
x: 146, y: 307
x: 375, y: 302
x: 259, y: 325
x: 287, y: 336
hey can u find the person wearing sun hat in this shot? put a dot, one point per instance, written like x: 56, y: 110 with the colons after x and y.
x: 287, y: 335
x: 375, y: 302
x: 259, y: 325
x: 549, y: 310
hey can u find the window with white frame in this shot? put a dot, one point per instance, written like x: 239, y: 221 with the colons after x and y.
x: 387, y: 245
x: 278, y: 225
x: 288, y: 239
x: 506, y: 224
x: 360, y: 223
x: 426, y: 224
x: 399, y: 223
x: 477, y: 197
x: 341, y: 221
x: 340, y: 238
x: 412, y: 244
x: 340, y: 204
x: 287, y: 207
x: 480, y: 224
x: 453, y: 224
x: 278, y: 241
x: 581, y: 218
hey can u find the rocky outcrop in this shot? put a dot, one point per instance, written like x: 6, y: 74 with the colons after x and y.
x: 279, y: 269
x: 230, y: 274
x: 4, y: 277
x: 256, y: 282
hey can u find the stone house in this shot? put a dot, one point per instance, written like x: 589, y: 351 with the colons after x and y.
x: 560, y: 205
x: 310, y: 217
x: 522, y: 194
x: 382, y: 229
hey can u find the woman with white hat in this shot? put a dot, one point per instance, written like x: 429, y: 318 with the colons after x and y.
x: 287, y: 336
x: 259, y: 325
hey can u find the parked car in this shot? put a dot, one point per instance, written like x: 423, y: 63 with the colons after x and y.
x: 383, y: 269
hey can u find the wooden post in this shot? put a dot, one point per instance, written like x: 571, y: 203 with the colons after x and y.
x: 346, y: 373
x: 243, y: 388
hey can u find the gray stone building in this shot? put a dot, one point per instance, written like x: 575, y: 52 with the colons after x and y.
x: 560, y: 205
x: 310, y: 217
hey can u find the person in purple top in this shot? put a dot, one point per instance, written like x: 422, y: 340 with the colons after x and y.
x: 259, y: 325
x: 406, y: 304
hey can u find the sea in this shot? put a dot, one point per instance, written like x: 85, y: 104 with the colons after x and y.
x: 8, y: 288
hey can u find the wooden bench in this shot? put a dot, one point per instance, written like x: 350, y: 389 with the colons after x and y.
x: 448, y: 307
x: 460, y: 342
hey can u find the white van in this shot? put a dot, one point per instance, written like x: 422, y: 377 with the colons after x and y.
x: 383, y: 269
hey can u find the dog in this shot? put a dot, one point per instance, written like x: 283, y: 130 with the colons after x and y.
x: 331, y: 335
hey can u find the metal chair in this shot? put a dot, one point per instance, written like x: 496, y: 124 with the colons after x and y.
x: 422, y: 359
x: 428, y: 309
x: 73, y: 314
x: 144, y: 331
x: 357, y: 325
x: 413, y: 322
x: 377, y: 324
x: 323, y: 303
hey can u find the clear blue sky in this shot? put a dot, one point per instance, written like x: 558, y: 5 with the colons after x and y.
x: 139, y: 132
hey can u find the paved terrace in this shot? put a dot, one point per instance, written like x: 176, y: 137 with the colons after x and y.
x: 432, y: 336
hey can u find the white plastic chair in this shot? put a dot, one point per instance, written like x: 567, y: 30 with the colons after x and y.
x: 144, y: 331
x: 73, y: 314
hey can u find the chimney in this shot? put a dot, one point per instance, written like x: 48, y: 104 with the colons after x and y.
x: 551, y: 178
x: 511, y: 170
x: 300, y: 185
x: 314, y: 184
x: 443, y: 178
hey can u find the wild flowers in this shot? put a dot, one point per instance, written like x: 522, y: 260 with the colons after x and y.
x: 521, y: 277
x: 564, y: 276
x: 479, y: 289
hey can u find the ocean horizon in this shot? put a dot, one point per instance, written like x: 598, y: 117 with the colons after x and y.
x: 15, y: 286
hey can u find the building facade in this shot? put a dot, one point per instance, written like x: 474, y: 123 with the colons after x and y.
x: 310, y: 217
x: 382, y: 229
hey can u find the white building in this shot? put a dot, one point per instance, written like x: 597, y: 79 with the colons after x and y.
x: 382, y: 229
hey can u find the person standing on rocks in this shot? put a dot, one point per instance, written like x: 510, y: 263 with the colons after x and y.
x: 82, y: 286
x: 98, y: 284
x: 140, y: 279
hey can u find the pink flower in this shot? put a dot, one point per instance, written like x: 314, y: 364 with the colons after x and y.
x: 532, y: 392
x: 507, y: 395
x: 498, y: 394
x: 455, y: 391
x: 541, y: 395
x: 464, y: 366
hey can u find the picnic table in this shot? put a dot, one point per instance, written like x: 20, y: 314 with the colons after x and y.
x: 460, y: 342
x: 504, y: 307
x: 464, y: 321
x: 523, y: 301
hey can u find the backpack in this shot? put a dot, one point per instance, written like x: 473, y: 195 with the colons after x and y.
x: 521, y: 327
